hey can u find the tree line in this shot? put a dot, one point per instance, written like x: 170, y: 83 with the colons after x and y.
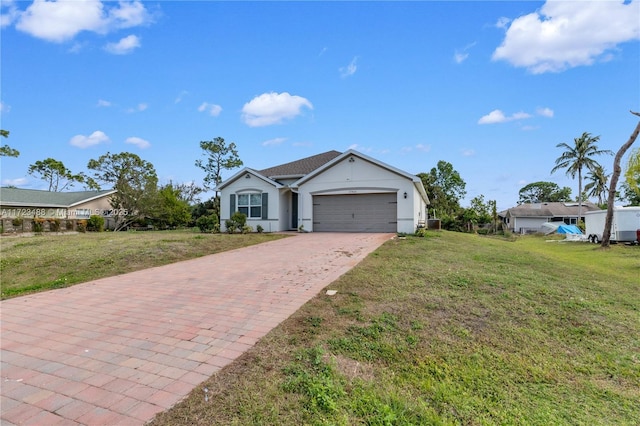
x: 177, y: 204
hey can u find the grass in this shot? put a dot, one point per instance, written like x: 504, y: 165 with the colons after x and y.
x: 449, y: 329
x: 44, y: 262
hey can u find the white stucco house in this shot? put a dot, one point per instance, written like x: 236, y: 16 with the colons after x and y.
x: 332, y: 191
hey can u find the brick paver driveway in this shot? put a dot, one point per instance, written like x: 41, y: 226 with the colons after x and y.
x: 121, y: 349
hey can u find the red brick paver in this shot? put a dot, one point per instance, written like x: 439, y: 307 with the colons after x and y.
x: 119, y: 350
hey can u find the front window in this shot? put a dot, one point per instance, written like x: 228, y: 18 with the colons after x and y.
x: 251, y: 205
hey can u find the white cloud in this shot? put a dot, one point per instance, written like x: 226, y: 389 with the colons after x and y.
x: 60, y: 21
x: 350, y: 69
x: 358, y: 147
x: 139, y: 108
x: 95, y: 138
x: 468, y: 153
x: 125, y: 46
x: 103, y: 103
x: 497, y: 116
x: 566, y: 34
x: 461, y: 55
x: 423, y: 148
x: 11, y: 14
x: 181, y: 96
x: 529, y: 128
x: 274, y: 142
x: 4, y: 107
x: 503, y: 22
x: 139, y: 142
x: 545, y: 112
x: 212, y: 109
x: 273, y: 108
x: 15, y: 182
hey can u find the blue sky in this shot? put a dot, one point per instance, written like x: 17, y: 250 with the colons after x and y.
x: 490, y: 87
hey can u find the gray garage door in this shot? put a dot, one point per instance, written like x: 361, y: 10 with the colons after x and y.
x: 355, y: 213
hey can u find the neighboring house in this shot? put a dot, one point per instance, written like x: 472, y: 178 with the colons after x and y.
x: 528, y: 218
x: 332, y: 191
x: 30, y: 203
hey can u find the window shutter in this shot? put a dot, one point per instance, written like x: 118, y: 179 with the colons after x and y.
x: 265, y: 205
x: 232, y: 203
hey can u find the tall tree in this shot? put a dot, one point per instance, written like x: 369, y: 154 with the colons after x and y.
x: 172, y: 211
x: 445, y: 188
x: 578, y: 157
x: 57, y: 176
x: 606, y: 234
x: 219, y: 157
x: 597, y: 184
x: 544, y: 192
x: 632, y: 175
x: 6, y: 150
x: 136, y: 182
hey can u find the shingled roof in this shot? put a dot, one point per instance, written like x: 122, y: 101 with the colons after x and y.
x: 37, y: 198
x: 301, y: 167
x: 551, y: 209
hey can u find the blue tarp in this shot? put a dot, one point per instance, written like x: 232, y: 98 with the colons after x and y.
x: 568, y: 229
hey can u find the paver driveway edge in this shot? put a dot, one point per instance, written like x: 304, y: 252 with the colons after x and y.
x: 119, y: 350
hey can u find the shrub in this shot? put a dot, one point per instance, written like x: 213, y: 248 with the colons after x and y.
x: 54, y: 225
x: 259, y: 229
x: 69, y: 225
x: 81, y: 225
x: 95, y: 223
x: 38, y: 224
x: 237, y: 222
x: 17, y: 221
x: 208, y: 223
x: 247, y: 229
x: 421, y: 232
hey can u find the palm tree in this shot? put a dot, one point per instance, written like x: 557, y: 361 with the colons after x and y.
x: 576, y: 158
x: 597, y: 186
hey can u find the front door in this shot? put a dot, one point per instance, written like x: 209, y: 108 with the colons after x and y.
x: 294, y: 210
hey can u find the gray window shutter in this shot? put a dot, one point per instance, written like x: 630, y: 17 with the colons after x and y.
x: 265, y: 205
x: 232, y: 203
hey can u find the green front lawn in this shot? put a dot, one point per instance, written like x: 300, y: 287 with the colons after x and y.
x: 43, y: 262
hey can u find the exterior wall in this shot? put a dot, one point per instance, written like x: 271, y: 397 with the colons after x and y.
x: 360, y: 177
x: 254, y: 184
x: 524, y: 224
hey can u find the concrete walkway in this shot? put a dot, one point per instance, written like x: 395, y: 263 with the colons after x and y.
x: 117, y: 351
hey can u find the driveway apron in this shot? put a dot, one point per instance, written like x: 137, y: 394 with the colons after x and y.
x: 118, y: 350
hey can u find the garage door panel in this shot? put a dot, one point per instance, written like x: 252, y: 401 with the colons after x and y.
x: 355, y: 213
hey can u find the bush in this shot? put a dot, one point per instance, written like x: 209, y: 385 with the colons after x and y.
x: 17, y: 221
x: 237, y: 222
x: 421, y: 232
x: 54, y: 225
x: 38, y: 224
x: 95, y: 223
x: 69, y: 225
x: 259, y: 229
x: 81, y: 226
x: 208, y: 223
x: 247, y: 229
